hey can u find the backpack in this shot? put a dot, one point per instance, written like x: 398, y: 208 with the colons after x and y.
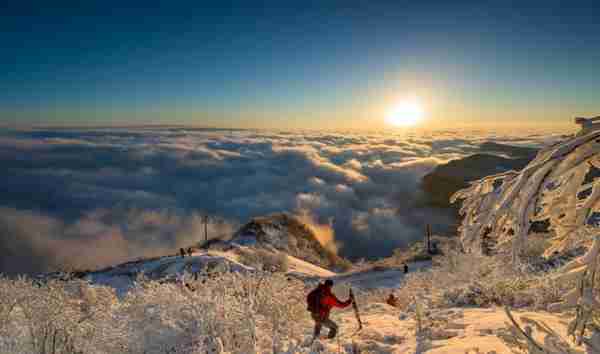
x: 313, y: 300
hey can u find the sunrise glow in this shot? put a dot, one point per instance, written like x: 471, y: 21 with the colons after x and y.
x: 406, y: 113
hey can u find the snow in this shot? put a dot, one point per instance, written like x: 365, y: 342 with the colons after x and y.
x: 123, y: 277
x: 457, y: 330
x: 303, y: 268
x: 478, y: 328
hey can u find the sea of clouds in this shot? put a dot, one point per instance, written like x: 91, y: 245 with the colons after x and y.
x: 86, y: 198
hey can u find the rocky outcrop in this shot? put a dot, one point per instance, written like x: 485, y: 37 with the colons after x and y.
x: 286, y: 233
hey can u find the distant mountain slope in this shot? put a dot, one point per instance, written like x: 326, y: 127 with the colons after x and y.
x: 511, y: 151
x: 445, y: 180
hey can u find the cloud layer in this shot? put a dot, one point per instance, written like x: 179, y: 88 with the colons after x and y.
x: 88, y: 198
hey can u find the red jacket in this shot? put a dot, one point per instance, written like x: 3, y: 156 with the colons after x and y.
x: 329, y: 301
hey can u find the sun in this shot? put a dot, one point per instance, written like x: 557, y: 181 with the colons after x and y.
x: 405, y: 113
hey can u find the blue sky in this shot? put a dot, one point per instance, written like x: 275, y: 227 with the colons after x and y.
x: 335, y: 64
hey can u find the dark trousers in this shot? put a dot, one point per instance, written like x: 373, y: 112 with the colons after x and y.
x: 320, y: 322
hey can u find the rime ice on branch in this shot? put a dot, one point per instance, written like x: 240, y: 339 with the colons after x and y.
x: 557, y: 188
x: 560, y: 188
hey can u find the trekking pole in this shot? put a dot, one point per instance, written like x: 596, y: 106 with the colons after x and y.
x: 355, y: 307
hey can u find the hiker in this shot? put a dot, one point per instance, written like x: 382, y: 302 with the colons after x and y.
x: 320, y: 302
x: 180, y: 278
x: 405, y: 268
x: 392, y: 300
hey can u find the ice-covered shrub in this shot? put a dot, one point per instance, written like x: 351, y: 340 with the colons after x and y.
x: 241, y: 313
x: 54, y: 317
x: 460, y: 279
x: 246, y: 312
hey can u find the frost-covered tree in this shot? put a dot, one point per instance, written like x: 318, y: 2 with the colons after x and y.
x: 559, y: 188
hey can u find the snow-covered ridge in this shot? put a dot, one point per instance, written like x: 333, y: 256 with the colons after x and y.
x: 200, y: 263
x: 278, y: 235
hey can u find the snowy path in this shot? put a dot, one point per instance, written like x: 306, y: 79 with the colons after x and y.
x: 455, y: 330
x: 380, y: 279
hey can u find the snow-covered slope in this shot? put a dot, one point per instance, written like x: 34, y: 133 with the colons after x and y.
x: 169, y: 268
x: 271, y: 237
x: 303, y: 268
x: 202, y: 262
x: 173, y: 268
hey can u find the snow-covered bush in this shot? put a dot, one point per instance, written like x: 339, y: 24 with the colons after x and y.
x: 239, y: 313
x: 459, y: 279
x: 55, y: 317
